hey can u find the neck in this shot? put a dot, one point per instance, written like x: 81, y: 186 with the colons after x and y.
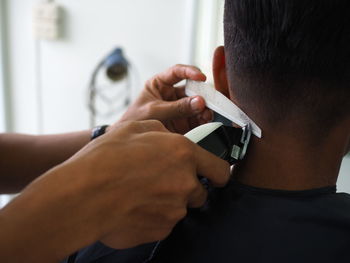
x: 289, y: 164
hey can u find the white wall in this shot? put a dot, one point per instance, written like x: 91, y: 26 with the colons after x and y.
x: 209, y: 34
x: 21, y: 68
x: 49, y: 79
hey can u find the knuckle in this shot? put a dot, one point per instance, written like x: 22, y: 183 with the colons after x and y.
x: 176, y: 215
x: 185, y: 155
x: 185, y: 185
x: 152, y: 83
x: 196, y: 68
x: 178, y: 65
x: 156, y: 84
x: 182, y: 214
x: 184, y: 148
x: 149, y: 82
x: 190, y: 185
x: 222, y: 181
x: 160, y: 234
x: 156, y: 125
x: 150, y: 109
x: 182, y: 107
x: 131, y: 125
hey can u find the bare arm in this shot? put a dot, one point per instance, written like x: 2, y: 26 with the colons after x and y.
x: 100, y: 194
x: 24, y: 157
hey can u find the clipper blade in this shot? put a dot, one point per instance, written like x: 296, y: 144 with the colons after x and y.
x: 219, y: 103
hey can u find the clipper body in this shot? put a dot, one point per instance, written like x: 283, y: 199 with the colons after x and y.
x: 226, y: 142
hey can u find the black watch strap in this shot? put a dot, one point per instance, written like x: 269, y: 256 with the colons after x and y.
x: 98, y: 131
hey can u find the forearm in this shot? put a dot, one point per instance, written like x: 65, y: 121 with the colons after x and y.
x: 47, y: 222
x: 24, y: 157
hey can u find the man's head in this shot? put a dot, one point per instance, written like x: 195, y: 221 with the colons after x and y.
x: 288, y: 61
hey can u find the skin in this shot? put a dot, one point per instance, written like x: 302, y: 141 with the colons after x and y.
x: 159, y: 100
x: 170, y: 105
x: 127, y: 187
x: 283, y: 159
x: 35, y: 154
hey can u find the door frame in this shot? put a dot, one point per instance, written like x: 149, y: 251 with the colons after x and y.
x: 208, y: 34
x: 5, y: 98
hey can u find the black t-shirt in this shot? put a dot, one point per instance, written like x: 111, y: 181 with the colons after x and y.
x: 246, y: 224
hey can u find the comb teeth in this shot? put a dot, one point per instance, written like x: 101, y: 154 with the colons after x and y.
x: 218, y: 102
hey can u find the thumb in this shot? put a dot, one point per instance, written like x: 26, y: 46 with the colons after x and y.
x: 185, y: 107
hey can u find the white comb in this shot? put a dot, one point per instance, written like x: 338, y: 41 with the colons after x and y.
x: 219, y: 103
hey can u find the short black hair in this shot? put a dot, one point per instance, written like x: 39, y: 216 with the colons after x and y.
x: 290, y: 59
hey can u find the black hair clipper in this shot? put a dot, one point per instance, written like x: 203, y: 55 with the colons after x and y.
x: 227, y: 142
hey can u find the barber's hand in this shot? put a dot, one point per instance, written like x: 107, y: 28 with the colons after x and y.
x: 127, y: 187
x: 160, y: 100
x: 154, y: 181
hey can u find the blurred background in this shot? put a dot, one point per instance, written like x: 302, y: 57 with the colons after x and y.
x: 55, y: 55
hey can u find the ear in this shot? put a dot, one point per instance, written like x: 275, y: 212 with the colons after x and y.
x: 219, y: 71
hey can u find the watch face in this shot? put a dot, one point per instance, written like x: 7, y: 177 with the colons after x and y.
x: 98, y: 131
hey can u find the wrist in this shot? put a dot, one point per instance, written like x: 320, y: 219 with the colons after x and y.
x: 108, y: 129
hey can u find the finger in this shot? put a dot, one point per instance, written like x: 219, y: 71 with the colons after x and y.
x: 151, y: 125
x: 198, y: 120
x: 170, y: 126
x: 201, y: 121
x: 207, y: 115
x: 180, y: 92
x: 181, y: 126
x: 198, y: 197
x: 193, y: 122
x: 185, y: 107
x: 180, y: 72
x: 212, y: 167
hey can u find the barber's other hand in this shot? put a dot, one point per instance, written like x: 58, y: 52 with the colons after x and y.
x: 160, y: 100
x: 156, y: 182
x: 127, y: 187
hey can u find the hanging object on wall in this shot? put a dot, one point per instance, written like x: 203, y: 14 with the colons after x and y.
x: 110, y: 86
x: 47, y: 20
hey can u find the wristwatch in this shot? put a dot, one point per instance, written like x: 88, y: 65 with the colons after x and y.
x: 98, y: 131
